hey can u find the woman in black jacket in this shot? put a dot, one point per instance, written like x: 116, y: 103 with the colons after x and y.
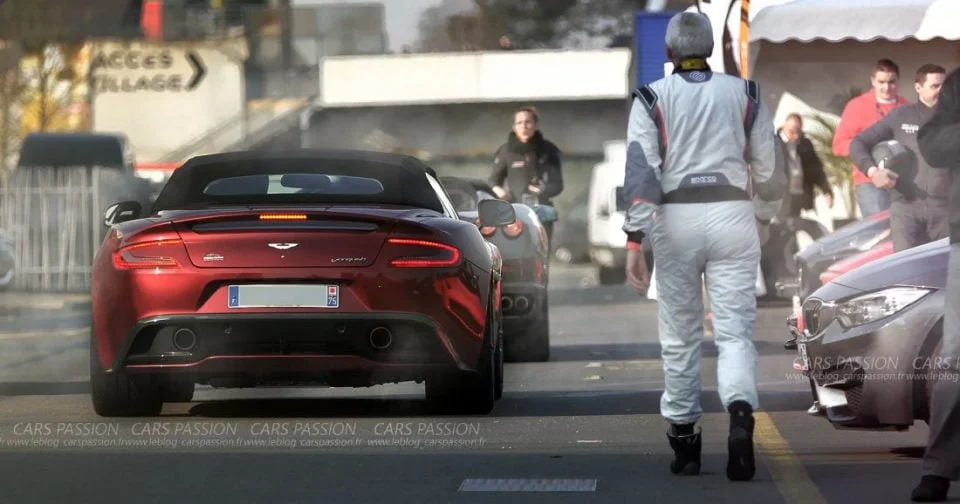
x: 939, y: 142
x: 527, y: 163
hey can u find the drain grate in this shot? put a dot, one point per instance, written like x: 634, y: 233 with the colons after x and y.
x: 527, y: 485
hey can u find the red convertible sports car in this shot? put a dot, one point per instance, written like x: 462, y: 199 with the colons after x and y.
x: 345, y: 268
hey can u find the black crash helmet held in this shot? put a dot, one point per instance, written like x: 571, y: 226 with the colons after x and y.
x: 896, y: 158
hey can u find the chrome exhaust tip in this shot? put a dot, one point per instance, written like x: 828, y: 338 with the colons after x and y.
x: 184, y: 339
x: 522, y: 303
x: 381, y: 338
x: 506, y: 303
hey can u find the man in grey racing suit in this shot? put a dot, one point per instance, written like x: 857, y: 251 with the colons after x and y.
x: 704, y: 176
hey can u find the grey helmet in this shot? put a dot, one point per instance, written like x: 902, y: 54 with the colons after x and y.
x: 897, y: 158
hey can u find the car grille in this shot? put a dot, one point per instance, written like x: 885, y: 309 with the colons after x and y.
x: 811, y: 315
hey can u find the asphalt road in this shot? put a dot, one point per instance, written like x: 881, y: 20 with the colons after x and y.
x: 583, y: 427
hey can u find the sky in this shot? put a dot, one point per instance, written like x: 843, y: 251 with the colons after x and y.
x: 402, y: 17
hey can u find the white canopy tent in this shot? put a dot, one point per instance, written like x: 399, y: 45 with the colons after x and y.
x: 861, y: 20
x: 810, y: 53
x: 810, y: 56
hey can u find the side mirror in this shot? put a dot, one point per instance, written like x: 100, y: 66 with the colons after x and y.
x: 547, y: 213
x: 121, y: 212
x: 496, y: 213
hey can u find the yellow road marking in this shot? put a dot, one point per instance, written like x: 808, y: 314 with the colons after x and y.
x: 791, y: 478
x: 53, y: 333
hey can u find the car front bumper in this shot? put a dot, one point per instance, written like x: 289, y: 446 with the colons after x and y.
x: 869, y: 376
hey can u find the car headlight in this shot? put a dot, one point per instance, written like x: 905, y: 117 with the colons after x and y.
x: 877, y: 305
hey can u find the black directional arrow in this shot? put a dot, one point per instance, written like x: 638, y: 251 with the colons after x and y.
x: 199, y: 71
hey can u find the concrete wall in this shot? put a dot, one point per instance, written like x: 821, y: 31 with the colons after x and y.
x: 396, y: 79
x: 577, y: 127
x: 143, y: 90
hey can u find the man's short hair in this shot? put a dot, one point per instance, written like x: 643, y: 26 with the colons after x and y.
x: 530, y: 110
x: 886, y: 65
x: 927, y: 69
x: 690, y: 35
x: 795, y: 116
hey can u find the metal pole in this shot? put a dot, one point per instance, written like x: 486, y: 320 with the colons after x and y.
x: 286, y: 36
x: 305, y: 117
x: 745, y: 39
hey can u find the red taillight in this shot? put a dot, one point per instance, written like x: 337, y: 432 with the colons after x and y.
x: 448, y: 256
x: 513, y: 230
x: 283, y: 216
x: 485, y: 230
x: 151, y: 254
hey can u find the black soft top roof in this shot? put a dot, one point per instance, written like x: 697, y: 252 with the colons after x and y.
x: 403, y: 178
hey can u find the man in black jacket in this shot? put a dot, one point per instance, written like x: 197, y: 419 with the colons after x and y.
x: 939, y: 142
x: 918, y: 210
x: 804, y: 168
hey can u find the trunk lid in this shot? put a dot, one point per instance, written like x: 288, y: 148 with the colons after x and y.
x: 285, y: 239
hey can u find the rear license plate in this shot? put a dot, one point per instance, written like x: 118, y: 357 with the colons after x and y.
x: 283, y: 296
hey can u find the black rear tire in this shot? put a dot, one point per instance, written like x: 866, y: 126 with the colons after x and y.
x: 534, y: 344
x: 178, y: 391
x: 119, y: 394
x: 471, y: 393
x: 498, y: 360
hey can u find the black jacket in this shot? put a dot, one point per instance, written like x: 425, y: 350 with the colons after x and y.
x: 902, y: 125
x: 939, y: 143
x: 517, y: 165
x: 813, y: 174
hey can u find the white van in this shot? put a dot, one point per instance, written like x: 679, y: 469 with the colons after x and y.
x: 607, y: 212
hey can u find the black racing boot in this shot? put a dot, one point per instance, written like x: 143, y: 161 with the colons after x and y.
x: 685, y: 441
x: 740, y: 462
x: 931, y: 489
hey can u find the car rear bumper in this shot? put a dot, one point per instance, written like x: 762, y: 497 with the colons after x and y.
x: 521, y: 302
x: 396, y: 346
x: 869, y: 377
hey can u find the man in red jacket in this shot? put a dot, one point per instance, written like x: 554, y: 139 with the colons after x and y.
x: 859, y: 114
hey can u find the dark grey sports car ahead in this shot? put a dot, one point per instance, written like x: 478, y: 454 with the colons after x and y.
x: 526, y: 258
x: 871, y: 339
